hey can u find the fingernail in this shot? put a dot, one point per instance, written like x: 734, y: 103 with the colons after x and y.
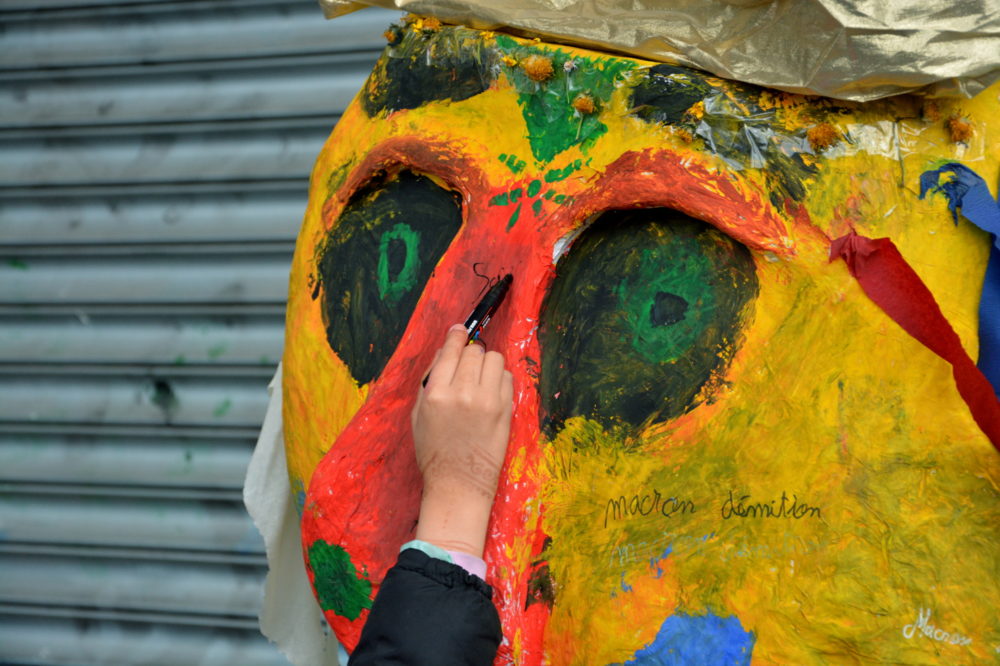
x: 457, y: 327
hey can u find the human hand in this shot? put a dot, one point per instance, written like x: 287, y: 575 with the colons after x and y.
x: 461, y: 425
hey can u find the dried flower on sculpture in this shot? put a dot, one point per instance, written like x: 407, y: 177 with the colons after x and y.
x: 584, y: 103
x: 959, y: 129
x: 822, y: 136
x: 538, y: 68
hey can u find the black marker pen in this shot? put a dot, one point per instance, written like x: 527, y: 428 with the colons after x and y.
x: 491, y: 301
x: 485, y: 310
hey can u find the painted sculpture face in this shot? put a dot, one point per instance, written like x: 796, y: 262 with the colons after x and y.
x: 722, y: 450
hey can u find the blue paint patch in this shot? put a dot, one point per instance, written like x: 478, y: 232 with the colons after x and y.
x: 625, y: 586
x: 685, y: 640
x: 654, y: 563
x: 299, y: 493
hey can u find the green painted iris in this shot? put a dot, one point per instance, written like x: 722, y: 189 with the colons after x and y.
x: 665, y: 304
x: 644, y: 309
x: 375, y: 262
x: 398, y: 259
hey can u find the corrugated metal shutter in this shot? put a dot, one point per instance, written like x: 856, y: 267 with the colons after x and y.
x: 154, y: 160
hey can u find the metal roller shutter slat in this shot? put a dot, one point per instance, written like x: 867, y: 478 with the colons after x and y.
x: 164, y: 34
x: 253, y: 216
x: 151, y: 523
x: 125, y: 400
x: 156, y: 169
x: 113, y: 461
x: 129, y: 644
x: 149, y: 341
x: 220, y: 279
x: 157, y: 586
x: 174, y: 158
x: 293, y: 90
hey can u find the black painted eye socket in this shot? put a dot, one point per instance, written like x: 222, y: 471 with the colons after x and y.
x: 375, y: 263
x: 644, y: 308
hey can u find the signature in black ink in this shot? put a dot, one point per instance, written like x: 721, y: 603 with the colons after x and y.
x: 645, y: 503
x: 490, y: 281
x: 741, y: 508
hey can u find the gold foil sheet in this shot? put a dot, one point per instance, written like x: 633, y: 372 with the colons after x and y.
x: 847, y: 49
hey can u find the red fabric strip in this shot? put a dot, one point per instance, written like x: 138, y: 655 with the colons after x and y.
x: 896, y: 288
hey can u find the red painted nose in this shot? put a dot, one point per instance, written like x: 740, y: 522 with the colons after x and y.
x: 364, y: 495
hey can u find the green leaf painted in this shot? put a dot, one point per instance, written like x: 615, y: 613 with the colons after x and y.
x: 553, y: 124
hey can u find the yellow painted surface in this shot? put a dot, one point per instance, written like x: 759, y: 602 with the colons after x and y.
x: 827, y: 400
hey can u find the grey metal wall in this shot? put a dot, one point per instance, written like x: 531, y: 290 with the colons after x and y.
x: 154, y: 160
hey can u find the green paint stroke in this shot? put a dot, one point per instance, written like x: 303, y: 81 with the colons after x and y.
x: 553, y: 124
x: 216, y: 351
x: 556, y: 175
x: 18, y: 264
x: 534, y: 189
x: 515, y: 165
x: 336, y: 581
x: 396, y: 280
x: 513, y: 217
x: 222, y: 408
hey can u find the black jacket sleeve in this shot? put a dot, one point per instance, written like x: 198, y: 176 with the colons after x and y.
x: 429, y: 612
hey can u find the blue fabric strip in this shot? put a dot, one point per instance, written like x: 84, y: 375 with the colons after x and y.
x: 989, y: 322
x: 968, y: 193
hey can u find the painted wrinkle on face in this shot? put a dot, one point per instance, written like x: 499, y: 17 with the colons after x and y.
x: 372, y: 459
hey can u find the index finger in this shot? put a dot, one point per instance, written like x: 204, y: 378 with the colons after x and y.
x: 444, y: 369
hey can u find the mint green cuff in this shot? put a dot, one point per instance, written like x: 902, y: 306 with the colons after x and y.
x: 428, y: 549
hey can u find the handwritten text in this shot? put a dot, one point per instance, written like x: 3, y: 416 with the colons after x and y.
x: 741, y: 508
x: 645, y: 504
x: 923, y: 625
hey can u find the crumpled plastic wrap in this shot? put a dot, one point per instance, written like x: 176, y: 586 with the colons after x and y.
x: 846, y: 49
